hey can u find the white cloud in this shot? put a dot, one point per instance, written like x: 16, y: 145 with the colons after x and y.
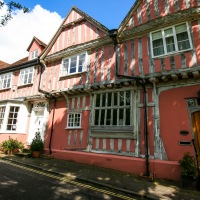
x: 16, y: 36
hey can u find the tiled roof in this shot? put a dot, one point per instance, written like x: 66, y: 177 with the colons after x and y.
x: 38, y: 41
x: 3, y: 64
x: 23, y: 60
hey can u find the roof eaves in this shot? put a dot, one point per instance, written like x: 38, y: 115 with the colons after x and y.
x: 128, y: 16
x: 19, y: 66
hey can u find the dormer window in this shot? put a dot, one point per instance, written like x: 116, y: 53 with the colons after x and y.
x: 34, y: 54
x: 74, y: 64
x: 170, y: 40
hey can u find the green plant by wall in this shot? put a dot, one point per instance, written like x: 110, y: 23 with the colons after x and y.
x: 37, y: 144
x: 11, y: 144
x: 187, y: 164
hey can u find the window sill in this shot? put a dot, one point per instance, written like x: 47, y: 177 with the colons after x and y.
x: 25, y: 85
x: 4, y: 89
x: 73, y: 128
x: 171, y: 53
x: 72, y: 75
x: 11, y: 132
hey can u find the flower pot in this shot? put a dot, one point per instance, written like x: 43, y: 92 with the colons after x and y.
x: 36, y: 154
x: 188, y: 182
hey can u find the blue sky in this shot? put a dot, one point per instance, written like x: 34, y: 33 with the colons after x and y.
x: 108, y: 12
x: 45, y: 17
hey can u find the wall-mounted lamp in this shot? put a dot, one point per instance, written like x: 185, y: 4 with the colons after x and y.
x: 193, y: 101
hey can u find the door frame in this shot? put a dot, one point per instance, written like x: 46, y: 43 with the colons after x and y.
x: 38, y: 106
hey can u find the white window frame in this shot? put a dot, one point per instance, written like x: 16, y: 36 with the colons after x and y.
x: 73, y: 114
x: 4, y: 80
x: 2, y: 114
x: 175, y: 40
x: 34, y: 54
x: 65, y: 70
x: 13, y: 118
x: 18, y: 121
x: 114, y: 105
x: 23, y: 74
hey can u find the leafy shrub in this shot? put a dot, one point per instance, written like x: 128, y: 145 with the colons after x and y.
x: 37, y: 144
x: 187, y: 164
x: 11, y: 144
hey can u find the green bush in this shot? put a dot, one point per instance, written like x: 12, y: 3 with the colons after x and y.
x: 187, y: 164
x: 37, y: 144
x: 11, y: 144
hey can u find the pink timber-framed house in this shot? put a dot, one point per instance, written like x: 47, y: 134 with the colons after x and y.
x: 126, y: 99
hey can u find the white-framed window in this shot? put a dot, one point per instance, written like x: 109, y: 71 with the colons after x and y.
x: 170, y: 40
x: 113, y: 108
x: 2, y: 113
x: 34, y: 54
x: 12, y: 118
x: 26, y: 76
x: 74, y: 120
x: 74, y: 64
x: 5, y: 80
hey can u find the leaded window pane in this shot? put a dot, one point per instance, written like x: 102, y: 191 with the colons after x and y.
x: 96, y: 122
x: 114, y: 116
x: 98, y: 100
x: 112, y: 111
x: 103, y: 100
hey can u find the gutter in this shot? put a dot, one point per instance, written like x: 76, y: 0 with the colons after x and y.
x: 113, y: 34
x: 20, y: 66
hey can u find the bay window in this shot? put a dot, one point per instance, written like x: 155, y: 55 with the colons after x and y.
x: 10, y: 120
x: 2, y: 113
x: 170, y: 40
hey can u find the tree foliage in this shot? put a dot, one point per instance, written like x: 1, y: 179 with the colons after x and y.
x: 11, y: 5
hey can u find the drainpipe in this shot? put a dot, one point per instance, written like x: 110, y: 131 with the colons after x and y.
x: 49, y: 96
x: 113, y: 36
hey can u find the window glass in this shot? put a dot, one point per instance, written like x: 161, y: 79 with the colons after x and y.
x: 115, y: 115
x: 26, y: 76
x: 2, y: 113
x: 81, y: 62
x: 74, y: 64
x: 175, y: 38
x: 12, y: 118
x: 5, y: 81
x: 74, y: 120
